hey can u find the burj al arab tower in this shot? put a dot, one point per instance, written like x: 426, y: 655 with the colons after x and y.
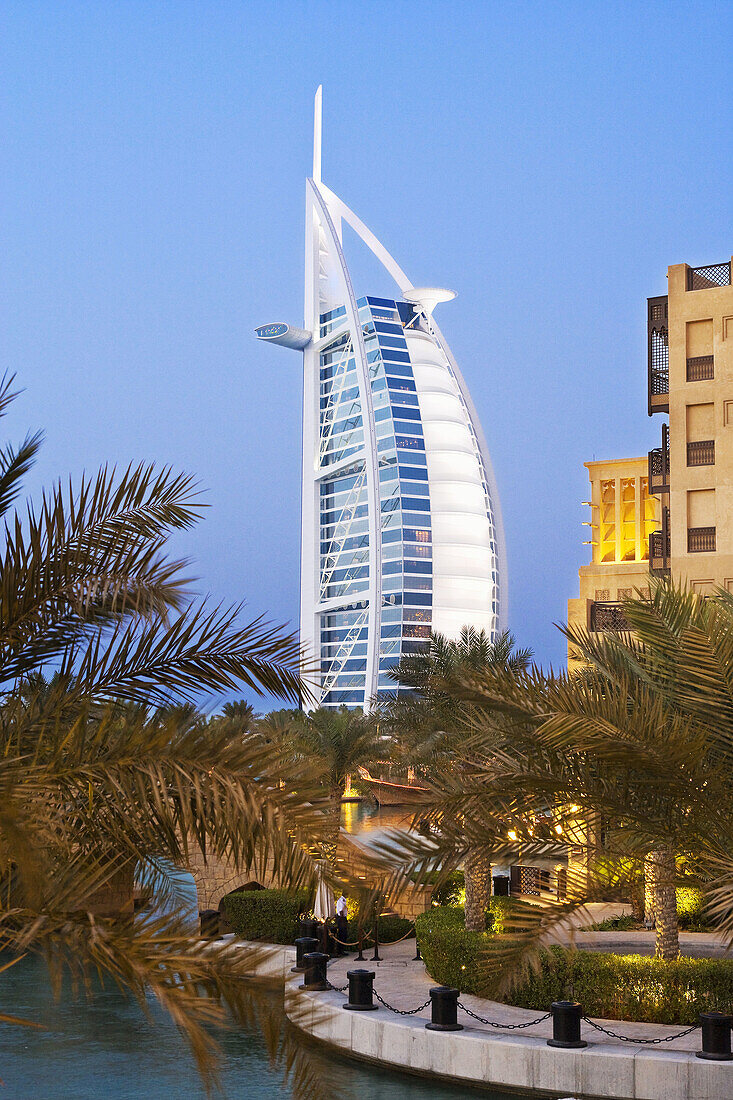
x: 401, y: 527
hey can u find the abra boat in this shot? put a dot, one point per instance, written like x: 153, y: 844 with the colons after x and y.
x: 388, y: 793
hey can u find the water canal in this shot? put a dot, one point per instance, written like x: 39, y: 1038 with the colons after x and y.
x: 106, y: 1049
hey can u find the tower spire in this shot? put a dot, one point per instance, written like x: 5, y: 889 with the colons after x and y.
x: 317, y: 130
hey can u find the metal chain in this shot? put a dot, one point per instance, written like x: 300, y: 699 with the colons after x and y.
x: 649, y: 1042
x: 400, y: 1011
x: 337, y: 988
x: 504, y: 1027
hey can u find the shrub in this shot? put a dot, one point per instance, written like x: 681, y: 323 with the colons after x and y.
x: 691, y: 908
x: 451, y: 954
x: 452, y: 891
x: 497, y: 912
x: 620, y: 987
x: 615, y: 924
x: 389, y: 926
x: 270, y: 915
x: 631, y: 987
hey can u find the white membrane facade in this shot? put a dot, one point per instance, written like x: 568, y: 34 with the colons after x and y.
x: 401, y: 528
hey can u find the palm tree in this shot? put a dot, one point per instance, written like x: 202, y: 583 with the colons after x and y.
x: 642, y: 741
x: 103, y: 766
x: 336, y: 743
x: 432, y: 724
x: 241, y: 711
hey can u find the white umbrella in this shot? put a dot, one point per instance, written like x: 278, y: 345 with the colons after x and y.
x: 325, y: 906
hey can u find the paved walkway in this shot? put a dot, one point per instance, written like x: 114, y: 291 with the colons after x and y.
x: 404, y: 984
x: 698, y: 945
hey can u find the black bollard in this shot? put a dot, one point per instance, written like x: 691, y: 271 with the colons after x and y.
x: 376, y: 957
x: 361, y: 988
x: 314, y: 978
x: 715, y: 1036
x: 444, y: 1009
x: 303, y: 946
x: 360, y: 956
x: 209, y: 919
x: 308, y: 927
x: 566, y: 1025
x: 417, y: 957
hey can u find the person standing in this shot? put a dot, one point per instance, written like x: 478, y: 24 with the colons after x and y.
x: 342, y: 923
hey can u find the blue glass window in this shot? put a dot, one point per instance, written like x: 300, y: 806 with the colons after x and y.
x: 389, y: 303
x: 417, y: 535
x: 418, y: 567
x: 385, y: 326
x: 405, y: 413
x: 411, y: 443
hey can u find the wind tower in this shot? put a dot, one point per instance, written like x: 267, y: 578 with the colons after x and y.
x: 401, y: 527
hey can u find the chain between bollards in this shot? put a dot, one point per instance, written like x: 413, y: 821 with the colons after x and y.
x: 631, y: 1039
x: 503, y: 1027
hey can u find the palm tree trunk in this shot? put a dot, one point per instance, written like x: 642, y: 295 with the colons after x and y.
x: 333, y: 827
x: 665, y: 904
x: 477, y: 871
x: 649, y: 889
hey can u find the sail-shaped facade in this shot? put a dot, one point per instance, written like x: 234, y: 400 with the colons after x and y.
x: 401, y: 529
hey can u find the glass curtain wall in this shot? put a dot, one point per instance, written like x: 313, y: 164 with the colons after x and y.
x: 404, y: 496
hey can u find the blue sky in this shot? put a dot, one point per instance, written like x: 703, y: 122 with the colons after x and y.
x: 547, y: 161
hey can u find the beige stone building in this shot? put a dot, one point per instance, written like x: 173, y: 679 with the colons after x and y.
x: 672, y: 512
x: 623, y: 515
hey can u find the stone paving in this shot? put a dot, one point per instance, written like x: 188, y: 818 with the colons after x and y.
x: 697, y: 945
x: 404, y: 983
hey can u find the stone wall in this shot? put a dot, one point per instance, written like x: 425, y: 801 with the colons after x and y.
x: 215, y: 876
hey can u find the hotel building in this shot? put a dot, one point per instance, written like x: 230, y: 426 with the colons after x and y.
x: 401, y: 528
x: 670, y: 514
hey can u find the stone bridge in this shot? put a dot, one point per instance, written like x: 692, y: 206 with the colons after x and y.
x: 214, y: 877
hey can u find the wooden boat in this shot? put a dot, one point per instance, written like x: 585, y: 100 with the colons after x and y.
x: 388, y: 793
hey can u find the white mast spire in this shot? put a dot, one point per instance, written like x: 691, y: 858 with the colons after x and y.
x: 317, y: 131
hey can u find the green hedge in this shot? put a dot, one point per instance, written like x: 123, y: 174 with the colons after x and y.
x: 618, y: 987
x: 270, y: 915
x: 389, y: 927
x: 691, y: 913
x: 631, y: 987
x: 452, y: 954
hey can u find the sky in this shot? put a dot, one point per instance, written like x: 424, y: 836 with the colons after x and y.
x: 547, y: 161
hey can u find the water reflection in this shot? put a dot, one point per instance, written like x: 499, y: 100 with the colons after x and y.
x: 367, y: 819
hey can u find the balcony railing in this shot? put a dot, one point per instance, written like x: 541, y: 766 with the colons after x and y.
x: 659, y: 465
x: 659, y: 548
x: 701, y: 453
x: 700, y: 540
x: 700, y: 368
x: 657, y: 355
x: 703, y: 278
x: 607, y: 616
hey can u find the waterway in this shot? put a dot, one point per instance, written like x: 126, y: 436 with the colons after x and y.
x: 107, y: 1049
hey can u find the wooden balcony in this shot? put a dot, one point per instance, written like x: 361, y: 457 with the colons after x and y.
x: 701, y: 453
x: 657, y: 355
x: 700, y: 540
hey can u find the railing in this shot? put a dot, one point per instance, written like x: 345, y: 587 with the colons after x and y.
x: 659, y: 465
x: 701, y: 453
x: 659, y: 548
x: 700, y: 368
x: 703, y: 278
x: 607, y: 616
x: 657, y: 355
x: 700, y: 540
